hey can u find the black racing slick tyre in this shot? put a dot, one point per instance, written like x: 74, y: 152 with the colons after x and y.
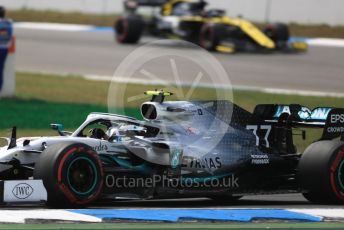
x: 129, y: 29
x: 210, y: 36
x: 321, y: 172
x: 278, y: 32
x: 72, y: 174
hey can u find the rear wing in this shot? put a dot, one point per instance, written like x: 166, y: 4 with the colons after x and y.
x: 330, y: 119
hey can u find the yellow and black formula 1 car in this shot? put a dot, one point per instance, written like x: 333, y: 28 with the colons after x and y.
x: 212, y: 29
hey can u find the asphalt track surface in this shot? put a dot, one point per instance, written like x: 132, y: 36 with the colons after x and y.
x: 320, y: 69
x: 96, y: 53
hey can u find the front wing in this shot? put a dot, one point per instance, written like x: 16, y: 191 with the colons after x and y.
x: 22, y: 191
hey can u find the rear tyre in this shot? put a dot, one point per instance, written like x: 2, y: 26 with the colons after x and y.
x: 72, y: 174
x: 210, y: 36
x: 129, y: 29
x: 321, y: 172
x: 279, y: 33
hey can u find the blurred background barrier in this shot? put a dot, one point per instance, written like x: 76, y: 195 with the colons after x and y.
x: 7, y: 52
x: 288, y: 11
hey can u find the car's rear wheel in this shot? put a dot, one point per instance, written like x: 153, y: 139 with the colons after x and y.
x: 277, y: 32
x: 72, y: 174
x: 129, y: 29
x: 321, y: 172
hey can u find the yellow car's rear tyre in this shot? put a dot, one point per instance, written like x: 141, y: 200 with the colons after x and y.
x: 129, y: 29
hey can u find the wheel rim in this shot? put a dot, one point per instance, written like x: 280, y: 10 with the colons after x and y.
x: 337, y: 175
x: 82, y: 176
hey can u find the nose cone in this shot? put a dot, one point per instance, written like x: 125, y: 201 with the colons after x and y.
x: 6, y: 154
x: 4, y: 158
x: 2, y: 150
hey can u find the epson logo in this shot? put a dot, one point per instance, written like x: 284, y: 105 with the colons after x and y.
x: 337, y: 117
x: 22, y: 191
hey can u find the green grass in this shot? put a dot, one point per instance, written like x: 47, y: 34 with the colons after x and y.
x: 108, y: 20
x: 29, y: 15
x: 317, y: 31
x: 249, y: 100
x: 52, y: 88
x: 74, y: 89
x: 321, y: 30
x: 28, y: 114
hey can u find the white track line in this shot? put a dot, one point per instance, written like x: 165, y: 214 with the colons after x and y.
x: 219, y: 86
x: 301, y: 92
x: 326, y: 213
x: 93, y: 77
x: 52, y: 26
x: 23, y: 216
x: 329, y: 42
x: 20, y: 216
x: 149, y: 82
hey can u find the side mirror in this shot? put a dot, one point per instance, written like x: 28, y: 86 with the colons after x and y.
x: 59, y: 128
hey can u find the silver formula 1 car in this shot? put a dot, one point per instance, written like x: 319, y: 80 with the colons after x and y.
x: 211, y: 149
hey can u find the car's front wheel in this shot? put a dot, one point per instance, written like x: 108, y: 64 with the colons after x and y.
x: 72, y: 174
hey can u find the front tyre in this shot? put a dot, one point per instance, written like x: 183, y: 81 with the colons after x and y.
x: 72, y: 174
x: 321, y: 172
